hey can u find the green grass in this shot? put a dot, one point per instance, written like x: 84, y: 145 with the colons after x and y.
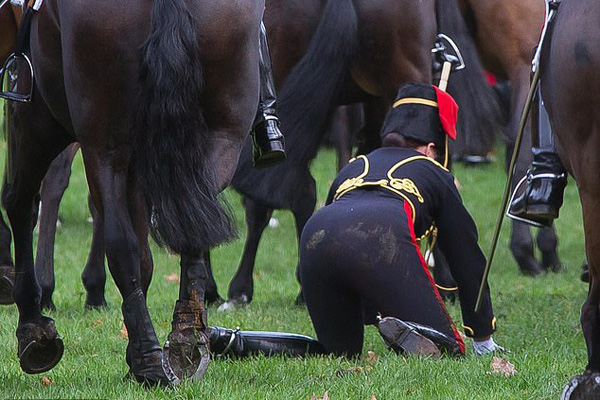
x: 538, y: 319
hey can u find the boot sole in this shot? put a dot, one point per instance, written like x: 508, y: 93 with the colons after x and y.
x: 270, y: 159
x: 403, y: 339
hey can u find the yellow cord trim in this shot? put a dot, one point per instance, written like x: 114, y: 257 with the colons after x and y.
x: 494, y: 323
x: 415, y: 100
x: 353, y: 183
x: 413, y: 158
x: 407, y: 186
x: 396, y: 185
x: 428, y: 232
x: 446, y: 155
x: 470, y: 330
x: 450, y: 289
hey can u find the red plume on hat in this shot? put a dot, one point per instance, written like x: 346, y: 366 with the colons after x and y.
x: 448, y: 112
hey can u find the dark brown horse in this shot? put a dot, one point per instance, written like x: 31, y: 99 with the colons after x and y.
x: 506, y: 33
x: 571, y: 91
x: 160, y: 97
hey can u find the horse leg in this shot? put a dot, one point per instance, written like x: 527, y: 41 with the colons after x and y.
x: 368, y: 136
x: 521, y: 246
x: 111, y: 191
x: 241, y: 288
x: 139, y: 215
x: 212, y: 293
x: 186, y: 352
x: 548, y: 243
x: 303, y: 208
x: 341, y: 131
x: 94, y: 274
x: 585, y: 386
x: 39, y: 345
x: 53, y: 187
x: 7, y: 267
x: 521, y: 241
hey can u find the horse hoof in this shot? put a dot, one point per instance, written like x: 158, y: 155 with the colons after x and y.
x: 7, y: 283
x: 551, y: 263
x: 300, y: 300
x: 583, y: 387
x: 41, y: 357
x: 186, y: 355
x: 95, y: 304
x: 532, y: 269
x: 233, y: 304
x: 213, y: 300
x: 40, y: 346
x: 47, y: 305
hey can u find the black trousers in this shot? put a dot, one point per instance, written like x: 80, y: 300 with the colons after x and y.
x: 358, y: 259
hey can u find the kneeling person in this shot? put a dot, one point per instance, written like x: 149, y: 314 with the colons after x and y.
x: 359, y: 256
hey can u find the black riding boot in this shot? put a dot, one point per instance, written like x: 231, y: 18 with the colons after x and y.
x: 412, y: 338
x: 236, y: 343
x: 144, y: 354
x: 545, y: 181
x: 269, y: 147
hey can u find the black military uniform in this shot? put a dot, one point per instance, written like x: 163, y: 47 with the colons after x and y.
x: 359, y: 255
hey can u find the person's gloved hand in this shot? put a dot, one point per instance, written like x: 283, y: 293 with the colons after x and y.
x: 486, y: 347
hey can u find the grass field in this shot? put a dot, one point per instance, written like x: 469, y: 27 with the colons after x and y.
x: 538, y: 320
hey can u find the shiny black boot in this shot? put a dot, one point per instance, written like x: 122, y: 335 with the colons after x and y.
x: 236, y: 343
x: 144, y: 354
x: 269, y: 143
x: 540, y: 202
x: 545, y: 181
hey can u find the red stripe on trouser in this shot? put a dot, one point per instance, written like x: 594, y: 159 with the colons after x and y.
x: 413, y: 239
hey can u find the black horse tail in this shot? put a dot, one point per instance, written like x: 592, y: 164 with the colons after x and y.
x: 480, y: 117
x: 309, y: 93
x: 306, y: 100
x: 173, y: 142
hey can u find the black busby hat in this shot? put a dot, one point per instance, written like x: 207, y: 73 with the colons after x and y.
x: 423, y: 113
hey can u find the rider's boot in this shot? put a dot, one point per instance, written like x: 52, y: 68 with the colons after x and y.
x: 237, y: 343
x: 545, y: 181
x: 411, y: 338
x: 269, y: 145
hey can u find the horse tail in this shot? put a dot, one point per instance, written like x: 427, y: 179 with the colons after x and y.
x: 305, y: 102
x: 172, y: 145
x: 480, y: 114
x: 309, y: 93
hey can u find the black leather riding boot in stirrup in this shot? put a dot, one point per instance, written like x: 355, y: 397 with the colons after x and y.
x: 269, y: 148
x: 545, y: 180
